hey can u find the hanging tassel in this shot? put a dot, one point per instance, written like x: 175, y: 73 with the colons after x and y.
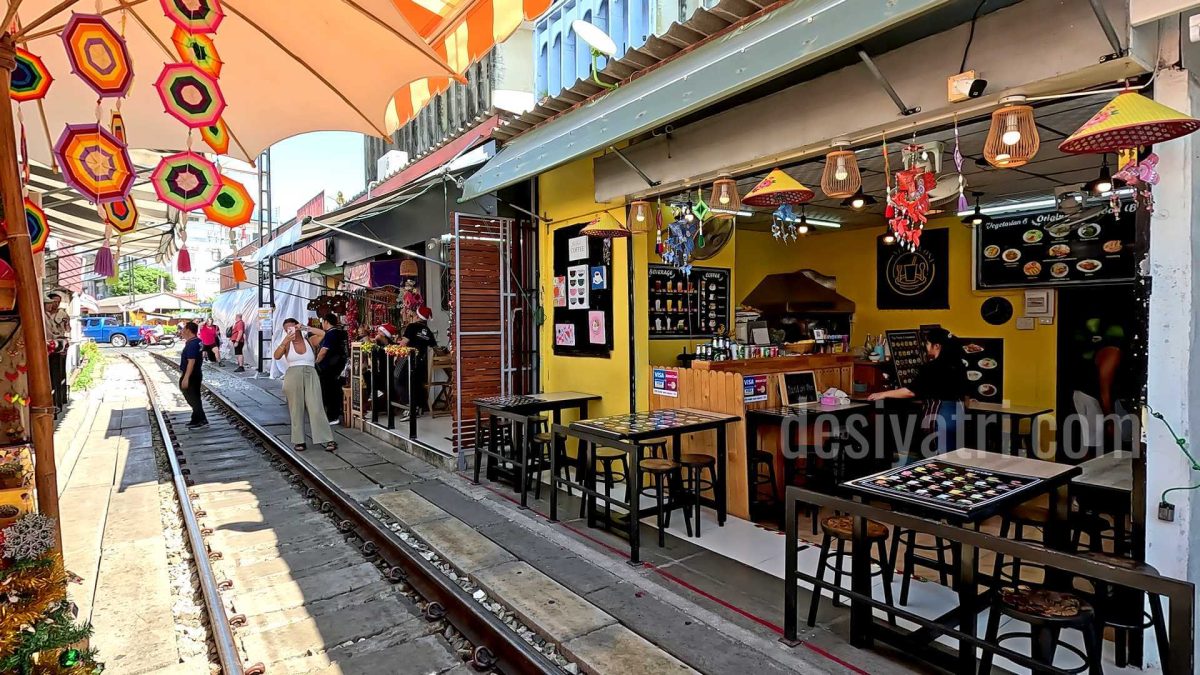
x: 184, y: 261
x: 239, y: 272
x: 104, y: 262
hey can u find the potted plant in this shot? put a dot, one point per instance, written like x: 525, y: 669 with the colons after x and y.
x: 12, y: 475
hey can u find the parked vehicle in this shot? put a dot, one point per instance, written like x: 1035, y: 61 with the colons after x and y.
x: 106, y: 329
x: 151, y: 337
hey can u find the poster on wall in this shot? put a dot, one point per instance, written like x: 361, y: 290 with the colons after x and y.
x: 582, y: 314
x: 665, y: 382
x: 984, y: 359
x: 917, y: 279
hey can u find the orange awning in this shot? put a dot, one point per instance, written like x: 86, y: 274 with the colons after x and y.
x: 461, y: 32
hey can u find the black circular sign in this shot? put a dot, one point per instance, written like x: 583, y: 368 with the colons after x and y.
x: 911, y: 273
x: 996, y: 311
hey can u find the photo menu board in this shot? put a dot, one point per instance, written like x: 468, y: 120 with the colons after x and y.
x: 908, y: 354
x: 984, y: 359
x: 694, y: 305
x: 1054, y: 249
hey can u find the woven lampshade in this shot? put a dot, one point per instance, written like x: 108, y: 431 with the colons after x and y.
x: 1012, y: 139
x: 725, y: 195
x: 641, y: 216
x: 776, y: 189
x: 841, y: 177
x: 408, y: 268
x: 1129, y: 121
x: 605, y: 226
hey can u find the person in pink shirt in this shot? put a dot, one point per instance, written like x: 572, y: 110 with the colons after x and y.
x: 210, y: 340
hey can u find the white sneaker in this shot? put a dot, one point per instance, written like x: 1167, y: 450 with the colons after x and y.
x: 334, y: 423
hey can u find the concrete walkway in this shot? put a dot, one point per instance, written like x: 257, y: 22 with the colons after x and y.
x: 112, y: 527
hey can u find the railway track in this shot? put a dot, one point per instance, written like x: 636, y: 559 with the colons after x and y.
x: 297, y: 576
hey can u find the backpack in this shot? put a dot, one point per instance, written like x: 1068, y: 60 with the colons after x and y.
x: 229, y: 332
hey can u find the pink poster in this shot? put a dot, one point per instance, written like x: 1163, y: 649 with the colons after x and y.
x: 560, y: 291
x: 564, y: 334
x: 596, y: 327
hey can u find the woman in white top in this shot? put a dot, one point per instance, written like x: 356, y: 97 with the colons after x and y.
x: 302, y: 385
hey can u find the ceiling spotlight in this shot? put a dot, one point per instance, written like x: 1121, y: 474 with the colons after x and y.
x: 977, y: 217
x: 889, y: 238
x: 1103, y: 183
x: 859, y: 201
x: 802, y: 226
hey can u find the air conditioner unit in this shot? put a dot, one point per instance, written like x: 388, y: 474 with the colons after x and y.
x: 390, y: 163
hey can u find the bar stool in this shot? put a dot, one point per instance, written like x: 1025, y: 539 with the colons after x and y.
x: 1018, y: 518
x: 760, y: 458
x: 608, y: 458
x: 944, y: 569
x: 1047, y: 613
x: 656, y: 449
x: 1109, y: 602
x: 841, y: 528
x: 694, y: 483
x: 661, y: 470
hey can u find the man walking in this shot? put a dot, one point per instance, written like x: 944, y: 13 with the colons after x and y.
x: 332, y: 356
x: 58, y: 329
x: 238, y: 336
x: 191, y: 374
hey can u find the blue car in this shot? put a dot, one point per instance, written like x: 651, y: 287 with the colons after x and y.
x: 109, y: 330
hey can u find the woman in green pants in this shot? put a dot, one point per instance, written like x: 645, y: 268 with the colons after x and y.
x: 302, y: 385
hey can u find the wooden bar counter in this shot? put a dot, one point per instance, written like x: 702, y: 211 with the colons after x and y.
x: 831, y: 370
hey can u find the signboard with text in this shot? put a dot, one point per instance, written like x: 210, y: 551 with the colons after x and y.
x: 666, y: 382
x: 754, y: 388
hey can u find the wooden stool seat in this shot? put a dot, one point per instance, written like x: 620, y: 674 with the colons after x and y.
x: 842, y: 527
x: 657, y: 466
x: 543, y: 438
x: 1042, y: 603
x: 1046, y: 612
x: 1121, y: 608
x: 697, y: 459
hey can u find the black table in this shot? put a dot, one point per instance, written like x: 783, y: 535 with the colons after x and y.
x: 1010, y: 417
x: 1037, y: 477
x: 523, y: 410
x: 803, y: 414
x: 624, y: 432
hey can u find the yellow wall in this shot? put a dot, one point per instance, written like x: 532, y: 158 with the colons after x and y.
x: 566, y: 197
x: 1029, y: 356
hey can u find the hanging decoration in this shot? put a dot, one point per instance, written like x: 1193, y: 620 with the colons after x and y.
x: 239, y: 272
x: 190, y: 95
x: 658, y: 229
x: 197, y: 49
x: 232, y: 206
x: 194, y: 16
x: 183, y: 259
x: 958, y: 165
x: 98, y: 55
x: 39, y: 227
x: 908, y: 204
x: 186, y: 181
x: 123, y: 213
x: 1012, y: 138
x: 783, y: 224
x: 30, y: 79
x: 216, y: 136
x: 680, y: 241
x: 104, y: 264
x: 777, y: 188
x: 1141, y: 176
x: 1129, y: 121
x: 94, y: 162
x: 841, y: 177
x: 605, y: 226
x: 701, y: 211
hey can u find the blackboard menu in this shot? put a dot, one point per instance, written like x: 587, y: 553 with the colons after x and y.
x: 984, y: 359
x: 798, y: 387
x: 1054, y: 249
x: 694, y: 305
x: 908, y: 354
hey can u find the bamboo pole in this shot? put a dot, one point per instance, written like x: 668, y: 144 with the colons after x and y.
x: 29, y: 304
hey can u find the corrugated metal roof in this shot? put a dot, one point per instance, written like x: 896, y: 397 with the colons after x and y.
x: 700, y: 27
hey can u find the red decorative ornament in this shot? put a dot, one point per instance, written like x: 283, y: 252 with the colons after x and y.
x: 908, y: 205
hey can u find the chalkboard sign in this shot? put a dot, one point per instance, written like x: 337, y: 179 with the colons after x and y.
x: 908, y: 354
x: 799, y: 387
x: 984, y: 358
x: 694, y: 305
x: 1054, y: 249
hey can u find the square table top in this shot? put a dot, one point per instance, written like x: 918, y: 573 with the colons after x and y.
x: 1015, y: 410
x: 1113, y: 471
x: 653, y: 423
x: 1022, y: 466
x: 812, y: 407
x: 534, y: 401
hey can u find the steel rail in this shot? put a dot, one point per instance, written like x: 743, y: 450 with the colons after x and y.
x: 496, y: 645
x: 218, y: 620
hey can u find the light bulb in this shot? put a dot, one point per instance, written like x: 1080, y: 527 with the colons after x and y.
x: 840, y: 172
x: 724, y: 196
x: 858, y: 203
x: 641, y: 216
x: 977, y: 219
x: 689, y: 216
x: 1012, y: 135
x: 802, y: 229
x: 889, y: 238
x: 1103, y: 187
x: 1003, y: 158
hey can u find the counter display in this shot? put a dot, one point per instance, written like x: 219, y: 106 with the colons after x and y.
x: 1053, y: 249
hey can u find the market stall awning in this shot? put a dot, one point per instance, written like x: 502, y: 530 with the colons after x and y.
x: 461, y: 32
x: 748, y: 54
x: 155, y: 302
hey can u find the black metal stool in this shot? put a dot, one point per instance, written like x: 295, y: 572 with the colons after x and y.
x: 694, y: 483
x: 841, y: 528
x: 760, y: 458
x: 661, y: 470
x: 944, y: 568
x: 653, y: 450
x: 608, y: 458
x: 1017, y: 519
x: 1116, y: 607
x: 1047, y: 613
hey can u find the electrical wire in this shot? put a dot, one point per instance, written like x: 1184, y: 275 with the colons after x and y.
x: 971, y: 36
x: 1183, y: 446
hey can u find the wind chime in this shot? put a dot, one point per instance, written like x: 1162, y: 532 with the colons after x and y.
x: 780, y: 190
x: 679, y: 239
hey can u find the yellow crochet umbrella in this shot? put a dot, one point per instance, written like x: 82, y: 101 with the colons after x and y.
x: 1129, y: 121
x: 778, y: 188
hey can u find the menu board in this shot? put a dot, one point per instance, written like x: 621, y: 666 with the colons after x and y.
x: 984, y: 359
x: 797, y: 388
x: 1055, y: 249
x: 908, y: 354
x: 694, y: 305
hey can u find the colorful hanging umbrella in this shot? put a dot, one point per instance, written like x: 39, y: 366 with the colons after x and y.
x: 39, y: 227
x: 186, y: 181
x: 217, y: 137
x: 778, y: 188
x: 95, y: 163
x: 30, y: 79
x: 233, y: 206
x: 98, y: 55
x: 190, y: 95
x: 123, y: 213
x: 197, y: 49
x: 1129, y: 121
x: 196, y: 16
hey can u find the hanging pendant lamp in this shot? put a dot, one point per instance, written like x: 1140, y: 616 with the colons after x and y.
x: 725, y: 195
x: 641, y: 216
x: 1012, y: 139
x: 978, y: 218
x: 859, y: 200
x: 841, y: 177
x: 1129, y: 121
x: 605, y: 226
x: 778, y: 188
